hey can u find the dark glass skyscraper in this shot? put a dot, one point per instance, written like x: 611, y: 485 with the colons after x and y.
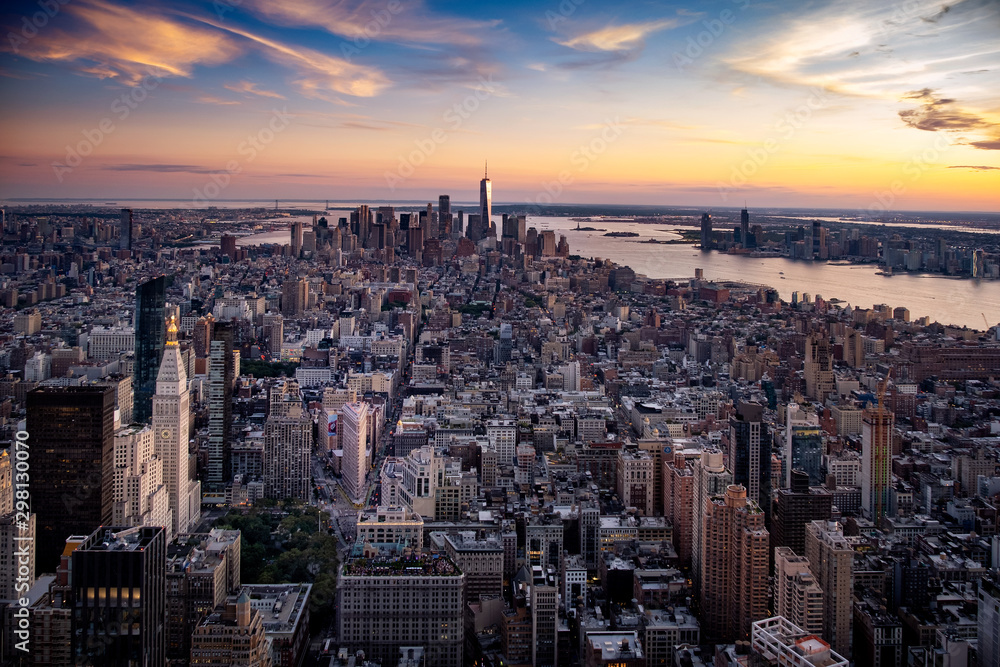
x: 745, y: 228
x: 119, y: 597
x: 125, y: 230
x: 220, y: 406
x: 150, y: 337
x: 750, y: 452
x: 706, y: 231
x: 485, y: 203
x: 72, y: 464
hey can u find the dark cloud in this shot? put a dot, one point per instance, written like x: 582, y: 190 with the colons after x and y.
x: 974, y: 167
x: 165, y: 168
x: 937, y: 114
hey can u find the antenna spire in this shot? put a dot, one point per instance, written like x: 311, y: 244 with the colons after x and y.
x: 486, y: 170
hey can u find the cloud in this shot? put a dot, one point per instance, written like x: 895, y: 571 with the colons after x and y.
x: 128, y: 44
x: 251, y: 88
x: 362, y: 21
x: 616, y: 38
x: 937, y: 114
x: 318, y: 74
x: 211, y: 99
x: 163, y: 168
x: 973, y: 167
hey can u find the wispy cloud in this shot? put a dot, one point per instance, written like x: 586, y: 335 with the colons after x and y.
x: 211, y: 99
x: 974, y: 167
x: 413, y: 23
x: 937, y: 114
x: 251, y: 88
x: 318, y: 74
x: 119, y: 42
x: 163, y: 168
x: 617, y: 38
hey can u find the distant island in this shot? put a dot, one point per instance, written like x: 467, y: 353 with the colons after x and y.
x: 622, y: 234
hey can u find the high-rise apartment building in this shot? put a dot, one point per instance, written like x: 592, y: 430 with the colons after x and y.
x: 150, y: 337
x: 711, y: 479
x: 750, y: 453
x: 353, y: 422
x: 797, y: 595
x: 706, y: 231
x: 171, y: 431
x: 735, y: 565
x: 118, y: 582
x: 678, y: 502
x: 72, y: 464
x: 831, y: 559
x: 296, y: 230
x: 745, y: 229
x: 988, y: 619
x: 876, y: 462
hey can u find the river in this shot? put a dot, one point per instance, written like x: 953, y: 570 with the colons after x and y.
x: 955, y: 301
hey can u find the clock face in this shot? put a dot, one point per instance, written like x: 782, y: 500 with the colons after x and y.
x: 165, y: 433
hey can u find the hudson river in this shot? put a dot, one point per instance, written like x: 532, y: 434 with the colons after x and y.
x: 961, y: 302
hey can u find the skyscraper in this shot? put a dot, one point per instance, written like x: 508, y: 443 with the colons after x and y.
x: 818, y: 367
x: 119, y: 588
x: 171, y: 430
x: 294, y: 297
x: 678, y: 500
x: 803, y: 445
x: 485, y: 204
x: 72, y: 464
x: 353, y: 422
x: 220, y: 408
x: 710, y: 480
x: 831, y: 559
x: 735, y: 565
x: 989, y: 621
x: 288, y: 445
x: 706, y: 231
x: 150, y: 336
x: 750, y: 452
x: 140, y: 496
x: 796, y: 506
x: 296, y: 240
x: 125, y: 230
x: 876, y: 461
x: 745, y: 228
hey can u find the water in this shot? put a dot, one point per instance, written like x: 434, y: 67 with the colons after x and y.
x: 955, y: 301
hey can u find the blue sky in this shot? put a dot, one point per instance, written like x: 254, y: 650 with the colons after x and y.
x: 707, y: 103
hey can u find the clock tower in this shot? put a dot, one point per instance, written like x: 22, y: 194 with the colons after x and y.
x: 171, y: 426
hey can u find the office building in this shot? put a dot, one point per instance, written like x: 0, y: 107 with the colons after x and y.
x: 17, y: 537
x: 794, y: 508
x: 232, y: 636
x: 735, y: 566
x: 171, y: 430
x: 745, y: 229
x: 544, y: 625
x: 285, y: 611
x: 818, y: 368
x: 118, y: 582
x: 288, y: 443
x: 125, y: 229
x: 140, y: 496
x: 221, y: 374
x: 294, y: 298
x: 750, y: 453
x: 988, y: 619
x: 150, y: 337
x: 831, y: 560
x: 797, y: 595
x: 296, y: 230
x: 485, y: 205
x: 803, y: 448
x: 202, y: 570
x: 273, y: 334
x: 706, y: 231
x: 72, y: 464
x: 389, y: 601
x: 353, y: 422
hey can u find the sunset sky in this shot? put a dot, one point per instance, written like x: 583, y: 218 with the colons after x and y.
x: 826, y: 104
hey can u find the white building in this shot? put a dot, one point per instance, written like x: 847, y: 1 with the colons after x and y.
x: 353, y: 422
x: 109, y: 342
x: 140, y: 498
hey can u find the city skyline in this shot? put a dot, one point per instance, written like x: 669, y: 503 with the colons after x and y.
x: 842, y: 104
